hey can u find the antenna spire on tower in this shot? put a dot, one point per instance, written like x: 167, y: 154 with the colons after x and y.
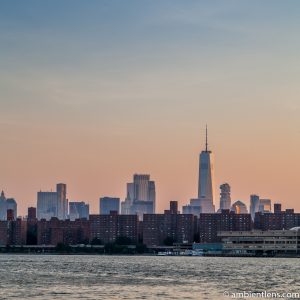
x: 206, y: 145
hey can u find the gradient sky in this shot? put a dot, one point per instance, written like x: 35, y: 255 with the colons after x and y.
x: 94, y: 91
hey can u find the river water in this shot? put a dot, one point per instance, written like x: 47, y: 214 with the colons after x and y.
x: 143, y: 277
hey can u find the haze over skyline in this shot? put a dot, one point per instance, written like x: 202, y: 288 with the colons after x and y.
x: 93, y: 92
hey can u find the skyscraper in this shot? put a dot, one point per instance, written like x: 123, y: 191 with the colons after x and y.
x: 7, y: 204
x: 3, y: 209
x: 254, y: 205
x: 12, y: 204
x: 62, y: 203
x: 141, y: 187
x: 46, y: 205
x: 206, y: 180
x: 78, y: 210
x: 126, y: 205
x: 108, y: 204
x: 152, y: 194
x: 130, y: 191
x: 140, y: 197
x: 53, y: 204
x: 225, y: 198
x: 205, y: 201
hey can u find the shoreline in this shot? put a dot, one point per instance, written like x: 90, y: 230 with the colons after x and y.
x: 141, y: 255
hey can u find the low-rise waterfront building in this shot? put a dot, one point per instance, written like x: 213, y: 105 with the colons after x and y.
x: 257, y: 242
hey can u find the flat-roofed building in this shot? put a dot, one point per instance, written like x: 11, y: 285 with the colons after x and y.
x: 211, y: 224
x: 109, y: 204
x: 53, y: 204
x: 140, y: 198
x: 67, y: 232
x: 46, y: 205
x: 257, y: 242
x: 4, y: 233
x: 278, y: 220
x: 78, y: 210
x: 170, y: 226
x: 107, y: 228
x: 13, y: 232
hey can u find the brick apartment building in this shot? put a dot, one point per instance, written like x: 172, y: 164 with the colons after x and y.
x: 108, y: 227
x: 13, y: 232
x: 177, y: 227
x: 58, y: 231
x: 278, y: 220
x: 211, y: 224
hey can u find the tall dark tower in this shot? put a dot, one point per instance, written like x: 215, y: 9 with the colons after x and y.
x: 62, y: 204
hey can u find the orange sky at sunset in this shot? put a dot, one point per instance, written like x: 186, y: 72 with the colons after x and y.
x: 90, y: 95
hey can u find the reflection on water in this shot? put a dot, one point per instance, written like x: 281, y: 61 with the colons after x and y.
x: 142, y: 277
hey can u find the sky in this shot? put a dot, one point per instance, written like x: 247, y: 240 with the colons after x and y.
x: 92, y: 92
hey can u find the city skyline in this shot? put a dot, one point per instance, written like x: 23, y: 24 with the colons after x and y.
x: 206, y: 157
x: 91, y: 94
x: 206, y: 192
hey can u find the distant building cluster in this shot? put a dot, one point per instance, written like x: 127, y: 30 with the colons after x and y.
x: 154, y: 230
x: 56, y: 220
x: 7, y: 204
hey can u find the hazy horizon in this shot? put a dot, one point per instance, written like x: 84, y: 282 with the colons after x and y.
x: 93, y: 92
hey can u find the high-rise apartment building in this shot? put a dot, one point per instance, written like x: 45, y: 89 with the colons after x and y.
x: 211, y: 224
x: 279, y: 220
x: 68, y: 232
x: 108, y: 228
x: 171, y: 226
